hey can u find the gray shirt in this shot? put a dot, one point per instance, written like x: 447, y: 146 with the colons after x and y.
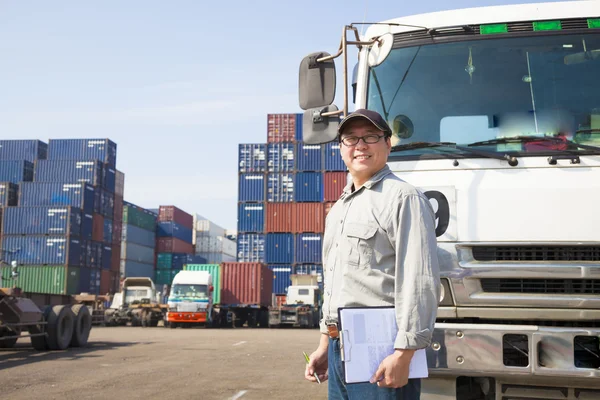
x: 380, y: 249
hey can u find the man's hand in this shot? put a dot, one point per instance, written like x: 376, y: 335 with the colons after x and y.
x: 318, y: 365
x: 393, y: 370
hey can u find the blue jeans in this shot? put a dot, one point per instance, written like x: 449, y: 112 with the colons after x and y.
x: 338, y: 390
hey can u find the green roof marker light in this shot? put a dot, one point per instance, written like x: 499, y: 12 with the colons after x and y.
x: 593, y: 23
x: 547, y: 26
x: 491, y: 29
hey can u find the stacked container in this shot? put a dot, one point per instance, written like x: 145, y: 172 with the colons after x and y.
x: 281, y: 217
x: 138, y: 244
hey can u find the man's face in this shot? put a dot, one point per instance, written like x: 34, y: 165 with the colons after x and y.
x: 364, y: 160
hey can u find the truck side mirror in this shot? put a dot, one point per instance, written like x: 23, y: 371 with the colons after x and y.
x: 318, y: 129
x: 211, y: 289
x: 317, y: 81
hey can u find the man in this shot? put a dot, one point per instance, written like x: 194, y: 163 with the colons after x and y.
x: 379, y: 250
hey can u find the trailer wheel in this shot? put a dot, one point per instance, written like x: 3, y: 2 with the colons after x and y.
x: 172, y: 325
x: 82, y: 325
x: 8, y: 343
x: 60, y: 327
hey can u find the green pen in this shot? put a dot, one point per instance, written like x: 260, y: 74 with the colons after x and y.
x: 308, y: 361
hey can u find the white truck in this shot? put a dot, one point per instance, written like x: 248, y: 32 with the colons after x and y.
x: 302, y: 307
x: 496, y: 117
x: 137, y: 303
x: 190, y: 300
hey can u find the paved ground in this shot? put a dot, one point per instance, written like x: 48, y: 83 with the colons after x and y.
x: 160, y: 363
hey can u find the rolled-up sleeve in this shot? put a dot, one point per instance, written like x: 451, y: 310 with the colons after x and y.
x: 417, y: 281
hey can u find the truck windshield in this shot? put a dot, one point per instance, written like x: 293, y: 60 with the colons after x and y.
x: 194, y: 291
x: 476, y: 91
x: 136, y: 294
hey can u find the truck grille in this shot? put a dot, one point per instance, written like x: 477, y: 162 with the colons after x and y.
x: 556, y: 286
x: 536, y: 253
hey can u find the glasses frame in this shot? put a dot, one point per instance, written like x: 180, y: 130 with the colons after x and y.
x: 361, y: 138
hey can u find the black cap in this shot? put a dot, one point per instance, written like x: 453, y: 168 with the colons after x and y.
x: 372, y: 116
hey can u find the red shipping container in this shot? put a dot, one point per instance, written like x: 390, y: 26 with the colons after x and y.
x: 279, y: 217
x: 281, y: 128
x: 246, y: 283
x: 98, y: 228
x: 115, y: 258
x: 334, y: 183
x: 279, y: 300
x: 118, y: 209
x: 173, y: 245
x: 308, y: 218
x: 109, y: 282
x: 172, y: 213
x: 117, y: 231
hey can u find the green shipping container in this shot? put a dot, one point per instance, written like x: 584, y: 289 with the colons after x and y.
x: 165, y: 276
x: 164, y: 261
x: 141, y: 219
x: 46, y: 279
x: 215, y: 272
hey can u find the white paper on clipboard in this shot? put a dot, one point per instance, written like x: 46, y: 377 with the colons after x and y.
x: 367, y: 337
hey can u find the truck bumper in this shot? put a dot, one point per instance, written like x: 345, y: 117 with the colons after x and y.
x: 556, y: 356
x: 191, y: 317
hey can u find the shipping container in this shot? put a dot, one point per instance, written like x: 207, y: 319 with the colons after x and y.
x: 92, y: 254
x: 299, y: 132
x: 294, y: 217
x: 29, y: 150
x: 279, y: 248
x: 246, y: 284
x: 42, y: 220
x: 104, y: 202
x: 115, y: 257
x: 138, y: 216
x: 175, y: 230
x: 333, y: 157
x: 69, y: 171
x: 281, y: 128
x: 81, y: 195
x: 98, y: 228
x: 280, y: 157
x: 252, y: 157
x: 87, y: 226
x: 165, y: 276
x: 205, y: 227
x: 108, y: 231
x: 16, y: 171
x: 309, y: 247
x: 309, y: 157
x: 135, y: 269
x: 119, y: 184
x: 309, y: 269
x: 109, y: 178
x: 106, y: 256
x: 309, y: 187
x: 47, y: 279
x: 173, y: 245
x: 109, y: 282
x: 280, y: 188
x: 281, y: 278
x: 103, y: 150
x: 174, y: 214
x: 40, y: 250
x: 136, y: 252
x: 252, y: 187
x: 216, y: 258
x: 334, y: 184
x: 8, y: 194
x: 251, y: 217
x: 177, y: 260
x: 134, y: 234
x: 217, y: 244
x: 279, y: 300
x: 215, y: 272
x: 251, y: 247
x: 89, y: 280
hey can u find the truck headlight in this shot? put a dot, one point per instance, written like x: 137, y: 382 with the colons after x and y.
x: 445, y: 293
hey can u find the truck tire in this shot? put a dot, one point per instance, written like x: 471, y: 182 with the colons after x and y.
x: 60, y: 327
x: 82, y: 325
x: 8, y: 343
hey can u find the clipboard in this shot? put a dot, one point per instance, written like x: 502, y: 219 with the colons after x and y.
x: 367, y: 336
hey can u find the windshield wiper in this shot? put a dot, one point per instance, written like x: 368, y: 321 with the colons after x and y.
x: 512, y: 161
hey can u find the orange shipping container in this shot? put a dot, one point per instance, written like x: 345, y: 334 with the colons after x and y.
x: 334, y: 183
x: 309, y: 218
x: 294, y: 217
x: 173, y: 245
x: 279, y: 217
x: 246, y: 283
x: 98, y: 228
x: 281, y: 128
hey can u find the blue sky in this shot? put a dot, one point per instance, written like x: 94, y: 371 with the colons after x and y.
x: 178, y: 85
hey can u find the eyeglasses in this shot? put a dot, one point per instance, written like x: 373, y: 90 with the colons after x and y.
x: 368, y: 139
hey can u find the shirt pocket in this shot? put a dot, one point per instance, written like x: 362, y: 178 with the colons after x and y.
x: 361, y: 242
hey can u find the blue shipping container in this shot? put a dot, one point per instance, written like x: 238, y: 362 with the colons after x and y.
x: 92, y: 254
x: 40, y: 250
x: 42, y: 220
x: 309, y: 269
x: 69, y: 171
x: 280, y: 248
x: 103, y: 150
x: 252, y: 187
x: 134, y: 234
x: 280, y: 188
x: 251, y: 217
x: 252, y: 157
x: 173, y: 229
x: 333, y: 157
x: 309, y: 157
x: 8, y: 194
x: 308, y: 248
x: 104, y: 203
x: 66, y: 194
x: 107, y: 234
x: 251, y: 247
x: 137, y: 252
x: 29, y: 150
x: 87, y: 226
x: 106, y: 256
x: 16, y: 171
x: 130, y: 268
x: 89, y: 280
x: 109, y: 178
x: 299, y: 123
x: 281, y: 278
x: 309, y: 187
x: 280, y: 157
x: 215, y: 258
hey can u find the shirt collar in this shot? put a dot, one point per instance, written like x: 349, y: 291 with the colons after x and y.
x: 379, y: 175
